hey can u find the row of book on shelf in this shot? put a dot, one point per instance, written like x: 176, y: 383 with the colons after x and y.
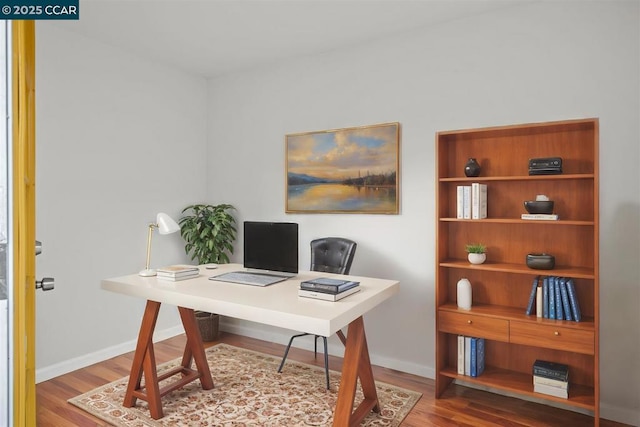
x: 328, y: 289
x: 470, y: 356
x: 554, y: 297
x: 551, y: 378
x: 471, y: 201
x: 175, y: 273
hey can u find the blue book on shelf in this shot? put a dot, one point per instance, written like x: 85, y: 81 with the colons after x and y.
x: 566, y: 308
x: 552, y: 300
x: 480, y: 356
x: 532, y: 296
x: 573, y: 300
x: 473, y: 363
x: 545, y: 298
x: 558, y: 298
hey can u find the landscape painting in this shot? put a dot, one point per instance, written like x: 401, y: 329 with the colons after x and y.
x: 351, y: 170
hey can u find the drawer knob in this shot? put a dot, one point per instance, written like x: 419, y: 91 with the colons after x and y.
x: 469, y: 321
x: 556, y: 333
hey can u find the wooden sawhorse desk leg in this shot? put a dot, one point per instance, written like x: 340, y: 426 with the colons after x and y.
x: 356, y: 365
x: 144, y: 361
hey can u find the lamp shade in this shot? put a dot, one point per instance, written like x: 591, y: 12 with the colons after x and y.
x: 166, y: 224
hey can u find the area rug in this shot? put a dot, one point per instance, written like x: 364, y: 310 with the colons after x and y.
x: 248, y: 391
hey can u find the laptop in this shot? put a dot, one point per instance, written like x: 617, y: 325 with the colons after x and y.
x: 270, y: 254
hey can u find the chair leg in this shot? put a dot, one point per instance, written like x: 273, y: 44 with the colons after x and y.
x: 286, y: 352
x: 326, y: 362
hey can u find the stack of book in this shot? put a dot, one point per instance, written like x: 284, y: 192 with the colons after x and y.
x: 175, y: 273
x: 555, y: 299
x: 540, y: 217
x: 470, y: 356
x: 471, y: 201
x: 328, y: 289
x: 551, y: 378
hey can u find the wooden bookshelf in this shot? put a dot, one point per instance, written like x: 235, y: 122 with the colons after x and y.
x: 501, y: 286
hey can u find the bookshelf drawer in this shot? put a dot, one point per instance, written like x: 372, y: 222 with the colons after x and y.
x: 474, y: 326
x: 556, y: 337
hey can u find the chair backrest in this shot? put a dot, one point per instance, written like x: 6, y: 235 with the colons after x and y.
x: 332, y: 254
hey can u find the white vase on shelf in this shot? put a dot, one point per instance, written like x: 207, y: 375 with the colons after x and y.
x: 477, y: 258
x: 464, y: 294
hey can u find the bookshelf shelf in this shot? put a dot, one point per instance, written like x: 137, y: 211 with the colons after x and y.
x: 515, y: 382
x: 501, y: 286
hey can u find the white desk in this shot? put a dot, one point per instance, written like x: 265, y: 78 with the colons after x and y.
x: 275, y: 305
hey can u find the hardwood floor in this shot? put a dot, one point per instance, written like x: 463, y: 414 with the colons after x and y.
x: 460, y: 406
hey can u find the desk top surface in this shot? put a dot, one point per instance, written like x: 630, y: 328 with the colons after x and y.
x: 275, y: 305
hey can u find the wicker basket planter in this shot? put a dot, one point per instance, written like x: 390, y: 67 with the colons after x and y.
x: 208, y: 325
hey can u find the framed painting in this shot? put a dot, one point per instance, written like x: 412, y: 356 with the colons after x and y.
x: 351, y: 170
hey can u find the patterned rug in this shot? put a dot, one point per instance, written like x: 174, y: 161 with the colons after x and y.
x: 248, y: 391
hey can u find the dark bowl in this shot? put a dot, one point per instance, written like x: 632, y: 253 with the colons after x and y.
x: 541, y: 261
x: 539, y: 206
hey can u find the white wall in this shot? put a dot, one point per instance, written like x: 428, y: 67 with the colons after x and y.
x: 535, y: 62
x: 118, y: 140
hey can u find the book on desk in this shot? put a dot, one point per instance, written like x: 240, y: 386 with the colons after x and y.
x: 177, y: 272
x: 328, y: 289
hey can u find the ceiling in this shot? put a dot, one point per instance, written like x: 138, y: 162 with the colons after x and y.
x: 215, y: 37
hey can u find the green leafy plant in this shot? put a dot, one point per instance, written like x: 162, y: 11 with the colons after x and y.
x: 475, y: 248
x: 209, y: 232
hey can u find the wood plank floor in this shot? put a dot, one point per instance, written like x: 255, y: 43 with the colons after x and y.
x: 460, y: 406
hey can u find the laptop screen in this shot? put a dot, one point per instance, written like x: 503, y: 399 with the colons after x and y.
x: 271, y: 246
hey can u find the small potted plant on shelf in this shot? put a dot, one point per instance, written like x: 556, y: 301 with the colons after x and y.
x: 209, y: 232
x: 477, y: 253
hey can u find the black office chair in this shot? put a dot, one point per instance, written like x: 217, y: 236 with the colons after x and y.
x: 329, y: 255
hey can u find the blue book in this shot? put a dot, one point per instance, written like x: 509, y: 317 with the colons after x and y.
x: 532, y: 296
x: 558, y: 297
x: 473, y: 362
x: 545, y: 298
x: 573, y: 300
x: 566, y: 308
x: 480, y: 357
x: 552, y: 300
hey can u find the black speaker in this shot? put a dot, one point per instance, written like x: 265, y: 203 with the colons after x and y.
x: 545, y: 166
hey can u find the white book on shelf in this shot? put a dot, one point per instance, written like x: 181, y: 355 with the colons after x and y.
x: 467, y: 355
x: 540, y: 217
x: 551, y: 390
x: 539, y: 301
x: 478, y: 201
x: 550, y: 382
x: 460, y: 354
x: 466, y: 210
x: 460, y: 202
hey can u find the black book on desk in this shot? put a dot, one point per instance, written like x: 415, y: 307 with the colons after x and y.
x: 328, y: 285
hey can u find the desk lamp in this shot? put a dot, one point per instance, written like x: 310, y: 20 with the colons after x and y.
x: 165, y: 225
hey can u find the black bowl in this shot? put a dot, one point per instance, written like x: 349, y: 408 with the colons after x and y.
x: 539, y: 206
x: 541, y: 261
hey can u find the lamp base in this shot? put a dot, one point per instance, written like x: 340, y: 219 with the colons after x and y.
x: 147, y: 272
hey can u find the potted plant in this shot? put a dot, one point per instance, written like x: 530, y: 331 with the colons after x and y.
x: 477, y: 253
x: 209, y: 232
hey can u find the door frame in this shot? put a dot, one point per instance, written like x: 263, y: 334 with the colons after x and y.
x: 22, y: 223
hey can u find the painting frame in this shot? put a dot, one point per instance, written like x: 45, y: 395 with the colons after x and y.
x: 353, y: 170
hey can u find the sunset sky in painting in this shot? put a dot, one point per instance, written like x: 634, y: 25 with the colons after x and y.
x: 345, y: 153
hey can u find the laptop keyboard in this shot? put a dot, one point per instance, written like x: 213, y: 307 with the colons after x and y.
x: 246, y: 278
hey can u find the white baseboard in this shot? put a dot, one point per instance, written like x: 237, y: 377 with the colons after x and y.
x: 282, y: 336
x: 48, y: 372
